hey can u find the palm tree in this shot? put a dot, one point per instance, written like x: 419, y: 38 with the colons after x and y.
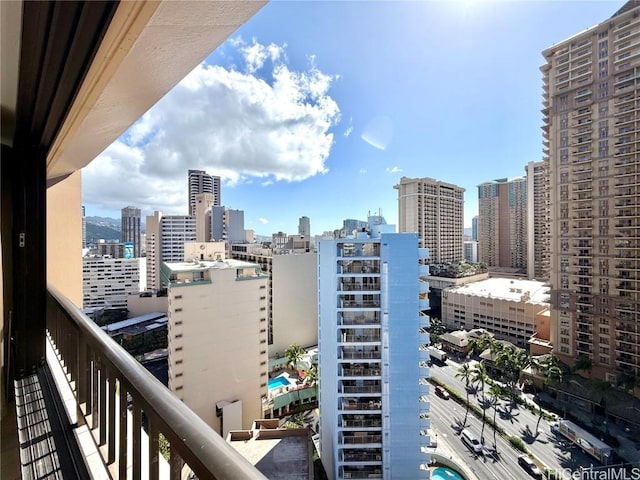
x: 583, y: 363
x: 294, y: 354
x: 552, y: 372
x: 494, y: 395
x: 604, y: 388
x: 465, y: 373
x: 311, y: 378
x: 479, y: 375
x: 479, y: 344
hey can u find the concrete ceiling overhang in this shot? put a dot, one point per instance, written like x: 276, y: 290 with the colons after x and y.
x: 146, y: 48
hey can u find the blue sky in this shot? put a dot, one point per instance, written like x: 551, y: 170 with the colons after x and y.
x: 319, y: 108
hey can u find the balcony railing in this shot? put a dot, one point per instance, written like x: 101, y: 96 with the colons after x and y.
x: 108, y: 382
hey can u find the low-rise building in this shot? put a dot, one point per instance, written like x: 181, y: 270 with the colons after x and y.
x: 505, y: 307
x: 279, y: 453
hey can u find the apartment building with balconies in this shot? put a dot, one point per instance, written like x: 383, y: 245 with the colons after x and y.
x: 435, y: 210
x: 538, y: 205
x: 502, y: 223
x: 372, y: 358
x: 592, y: 142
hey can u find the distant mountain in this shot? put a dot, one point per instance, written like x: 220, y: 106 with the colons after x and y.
x: 96, y: 232
x: 105, y: 222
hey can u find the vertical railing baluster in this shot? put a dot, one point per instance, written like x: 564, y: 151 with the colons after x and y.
x: 137, y: 442
x: 175, y: 465
x: 102, y: 404
x: 95, y: 378
x: 111, y: 441
x: 89, y: 379
x: 122, y: 434
x: 153, y: 448
x: 82, y: 380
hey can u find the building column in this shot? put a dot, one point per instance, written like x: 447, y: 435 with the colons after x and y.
x: 27, y: 173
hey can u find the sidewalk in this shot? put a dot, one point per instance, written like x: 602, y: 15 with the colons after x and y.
x: 628, y: 449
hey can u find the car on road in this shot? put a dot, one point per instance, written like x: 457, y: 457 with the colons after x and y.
x: 554, y: 427
x: 471, y: 441
x: 442, y: 393
x: 529, y: 466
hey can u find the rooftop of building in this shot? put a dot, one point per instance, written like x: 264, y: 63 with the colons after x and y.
x: 278, y: 453
x: 516, y: 290
x: 202, y: 265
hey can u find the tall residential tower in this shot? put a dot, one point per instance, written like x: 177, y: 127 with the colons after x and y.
x: 373, y: 394
x: 130, y: 223
x: 591, y: 123
x: 502, y: 223
x: 435, y: 210
x: 201, y: 182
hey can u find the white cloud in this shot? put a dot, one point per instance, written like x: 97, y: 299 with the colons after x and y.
x: 394, y: 169
x: 263, y: 221
x: 236, y: 124
x: 363, y: 170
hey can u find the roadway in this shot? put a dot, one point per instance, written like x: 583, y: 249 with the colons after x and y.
x: 550, y: 449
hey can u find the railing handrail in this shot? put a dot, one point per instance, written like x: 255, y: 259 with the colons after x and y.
x: 186, y: 428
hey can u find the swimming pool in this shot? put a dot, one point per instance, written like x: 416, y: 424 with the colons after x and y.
x: 278, y: 382
x: 444, y: 473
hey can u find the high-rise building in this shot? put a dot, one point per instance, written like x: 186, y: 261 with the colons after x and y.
x: 292, y: 294
x: 227, y: 225
x: 591, y: 114
x: 304, y: 227
x: 373, y: 394
x: 201, y: 182
x: 84, y: 229
x: 106, y: 281
x: 130, y: 218
x: 204, y: 203
x: 471, y: 251
x: 217, y: 344
x: 435, y: 210
x: 474, y: 228
x: 166, y: 236
x: 502, y: 223
x: 538, y: 240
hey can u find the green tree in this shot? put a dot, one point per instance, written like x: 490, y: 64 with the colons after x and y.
x: 465, y: 373
x: 436, y: 329
x: 583, y: 363
x: 479, y: 375
x: 552, y: 373
x: 311, y: 378
x: 294, y: 354
x: 494, y: 396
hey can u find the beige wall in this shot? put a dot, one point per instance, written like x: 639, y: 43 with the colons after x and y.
x: 218, y: 345
x: 204, y: 251
x: 295, y: 301
x: 64, y: 237
x: 506, y: 319
x: 138, y: 305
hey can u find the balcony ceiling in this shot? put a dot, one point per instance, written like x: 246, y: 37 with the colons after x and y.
x: 76, y: 75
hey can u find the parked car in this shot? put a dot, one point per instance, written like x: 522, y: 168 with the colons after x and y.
x: 531, y: 468
x: 442, y: 393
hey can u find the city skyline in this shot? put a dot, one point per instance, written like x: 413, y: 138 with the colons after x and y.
x: 323, y: 123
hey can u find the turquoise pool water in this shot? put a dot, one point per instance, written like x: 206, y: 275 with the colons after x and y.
x: 444, y: 473
x: 278, y: 382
